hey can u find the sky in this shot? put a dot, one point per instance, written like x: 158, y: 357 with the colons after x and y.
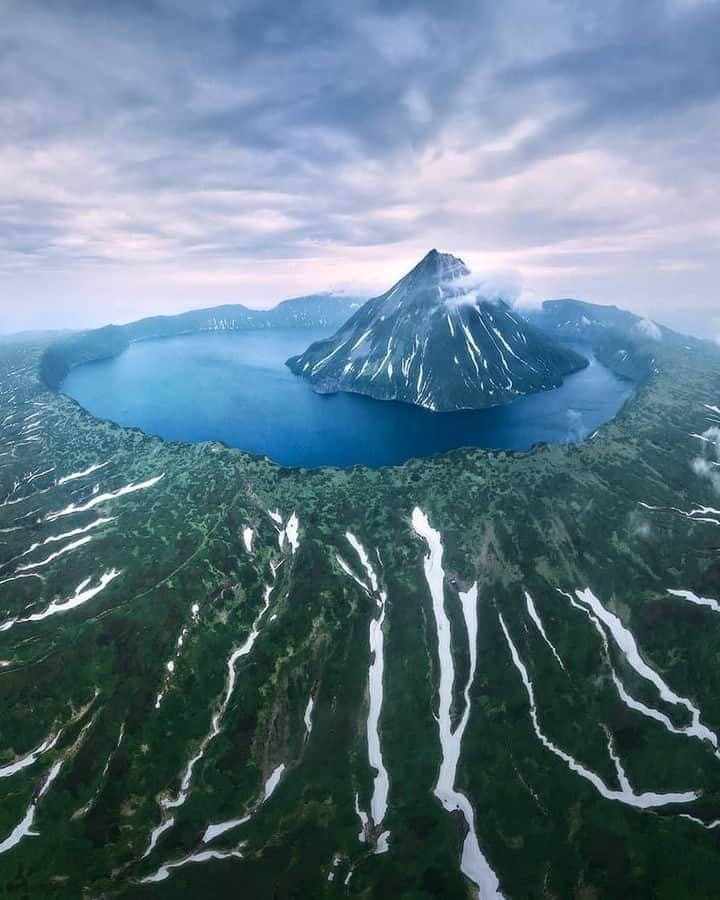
x: 157, y: 156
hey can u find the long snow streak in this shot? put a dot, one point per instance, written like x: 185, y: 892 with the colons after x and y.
x: 381, y: 783
x: 378, y: 805
x: 214, y: 831
x: 699, y: 601
x: 17, y: 578
x: 56, y: 538
x: 348, y: 571
x: 710, y: 826
x: 625, y: 795
x: 648, y: 711
x: 73, y: 508
x: 330, y: 355
x: 627, y: 645
x: 168, y: 803
x: 307, y: 717
x: 364, y: 821
x: 274, y: 780
x: 201, y: 856
x: 472, y: 347
x: 68, y: 548
x: 83, y: 593
x: 499, y: 351
x: 539, y: 625
x: 473, y: 864
x: 30, y: 758
x: 24, y: 827
x: 704, y: 514
x: 74, y: 476
x: 383, y: 362
x: 629, y: 701
x: 156, y: 833
x: 365, y: 560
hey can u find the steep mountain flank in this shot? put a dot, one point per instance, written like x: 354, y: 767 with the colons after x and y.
x: 435, y: 340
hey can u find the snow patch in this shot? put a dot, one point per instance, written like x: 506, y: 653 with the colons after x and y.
x: 473, y: 863
x: 626, y: 795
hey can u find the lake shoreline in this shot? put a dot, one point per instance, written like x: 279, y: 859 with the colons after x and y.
x: 234, y: 389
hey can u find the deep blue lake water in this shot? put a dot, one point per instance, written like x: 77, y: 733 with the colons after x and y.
x: 235, y: 388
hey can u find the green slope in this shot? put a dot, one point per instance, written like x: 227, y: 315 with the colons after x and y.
x: 557, y: 517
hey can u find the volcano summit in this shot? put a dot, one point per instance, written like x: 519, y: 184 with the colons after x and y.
x: 437, y: 340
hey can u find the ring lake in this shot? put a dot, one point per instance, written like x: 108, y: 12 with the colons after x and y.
x: 235, y: 388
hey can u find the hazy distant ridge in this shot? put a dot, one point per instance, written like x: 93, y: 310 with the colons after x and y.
x: 312, y: 311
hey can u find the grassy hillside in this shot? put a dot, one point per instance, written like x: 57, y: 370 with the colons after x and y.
x: 159, y: 533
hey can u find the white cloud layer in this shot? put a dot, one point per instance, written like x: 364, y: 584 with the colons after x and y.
x: 649, y: 330
x: 195, y: 154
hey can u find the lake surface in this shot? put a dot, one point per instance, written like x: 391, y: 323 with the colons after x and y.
x: 236, y: 388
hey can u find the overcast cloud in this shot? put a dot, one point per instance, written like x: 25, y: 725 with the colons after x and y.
x: 157, y: 156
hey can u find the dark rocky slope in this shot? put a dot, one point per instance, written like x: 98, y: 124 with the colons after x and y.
x: 434, y: 340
